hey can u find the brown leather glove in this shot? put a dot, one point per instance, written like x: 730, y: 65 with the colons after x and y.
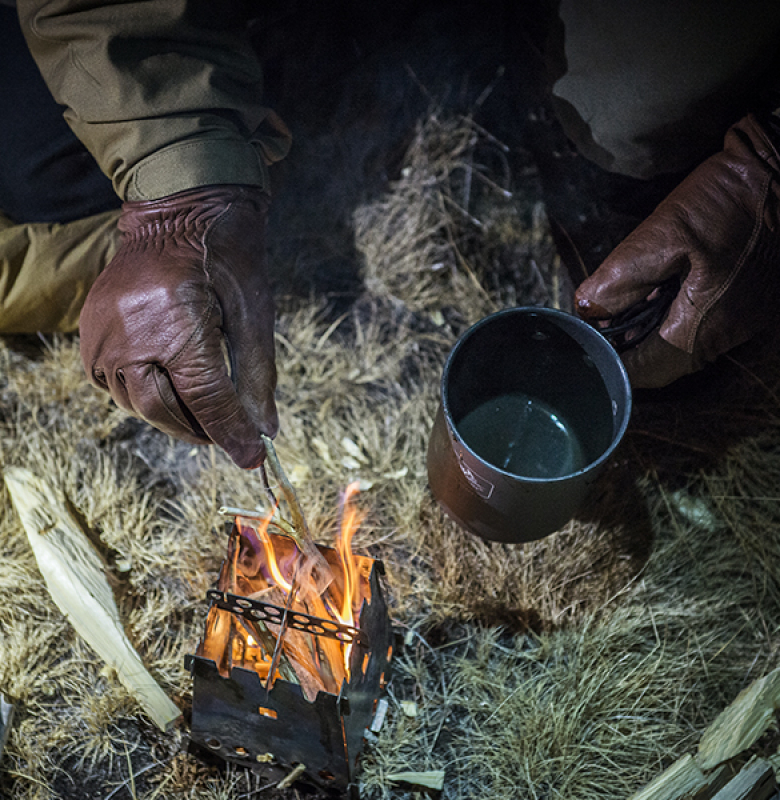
x: 179, y: 326
x: 719, y: 233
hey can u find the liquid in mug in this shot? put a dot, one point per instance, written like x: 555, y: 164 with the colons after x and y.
x: 523, y: 435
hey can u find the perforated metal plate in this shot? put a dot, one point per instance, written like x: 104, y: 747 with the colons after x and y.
x: 268, y: 612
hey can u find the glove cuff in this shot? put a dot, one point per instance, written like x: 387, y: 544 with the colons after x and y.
x: 191, y: 208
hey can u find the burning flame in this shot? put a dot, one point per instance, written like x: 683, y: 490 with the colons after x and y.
x: 350, y: 521
x: 269, y: 567
x: 271, y: 561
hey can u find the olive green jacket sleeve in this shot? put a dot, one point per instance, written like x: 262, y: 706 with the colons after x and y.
x: 165, y: 94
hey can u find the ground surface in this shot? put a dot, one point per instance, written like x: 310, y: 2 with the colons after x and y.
x: 574, y: 667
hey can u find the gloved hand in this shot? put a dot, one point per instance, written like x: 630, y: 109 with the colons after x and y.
x: 179, y: 326
x: 719, y: 233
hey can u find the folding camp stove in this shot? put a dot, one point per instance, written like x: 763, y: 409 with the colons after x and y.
x: 250, y: 712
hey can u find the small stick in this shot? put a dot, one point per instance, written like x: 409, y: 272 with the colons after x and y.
x: 277, y: 652
x: 302, y: 537
x: 285, y: 783
x: 281, y: 525
x: 296, y: 512
x: 232, y: 579
x: 233, y: 548
x: 259, y: 629
x: 228, y: 654
x: 264, y: 477
x: 231, y: 511
x: 260, y: 632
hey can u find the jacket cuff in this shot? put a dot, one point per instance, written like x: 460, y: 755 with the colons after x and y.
x: 193, y: 163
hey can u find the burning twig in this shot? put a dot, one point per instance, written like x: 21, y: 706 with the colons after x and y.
x: 300, y: 534
x: 277, y: 588
x: 277, y: 651
x: 332, y: 665
x: 256, y: 629
x: 314, y: 563
x: 232, y: 511
x: 335, y: 643
x: 282, y: 525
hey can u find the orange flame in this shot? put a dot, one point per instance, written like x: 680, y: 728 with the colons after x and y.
x: 267, y: 560
x: 270, y: 558
x: 350, y: 521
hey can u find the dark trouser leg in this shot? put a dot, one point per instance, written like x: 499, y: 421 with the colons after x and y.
x: 57, y: 210
x: 46, y: 174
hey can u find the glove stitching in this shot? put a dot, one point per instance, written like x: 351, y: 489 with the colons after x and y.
x: 206, y: 316
x: 211, y: 294
x: 746, y: 251
x: 209, y: 260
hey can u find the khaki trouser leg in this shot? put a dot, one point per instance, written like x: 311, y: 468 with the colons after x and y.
x: 46, y: 270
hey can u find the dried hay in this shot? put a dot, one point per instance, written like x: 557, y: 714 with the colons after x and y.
x: 574, y: 667
x: 451, y: 232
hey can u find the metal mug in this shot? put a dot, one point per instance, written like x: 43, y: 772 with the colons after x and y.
x: 533, y: 403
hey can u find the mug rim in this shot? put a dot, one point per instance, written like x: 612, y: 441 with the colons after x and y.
x: 593, y: 336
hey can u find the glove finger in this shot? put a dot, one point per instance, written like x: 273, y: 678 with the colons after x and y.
x: 255, y: 381
x: 655, y: 363
x: 213, y: 402
x: 642, y: 262
x: 150, y: 395
x: 114, y: 382
x: 251, y: 348
x: 202, y: 414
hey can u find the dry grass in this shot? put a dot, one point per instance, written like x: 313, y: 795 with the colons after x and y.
x: 575, y: 667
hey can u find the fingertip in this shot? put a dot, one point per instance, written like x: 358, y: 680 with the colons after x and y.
x: 587, y: 309
x: 270, y: 425
x: 247, y: 455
